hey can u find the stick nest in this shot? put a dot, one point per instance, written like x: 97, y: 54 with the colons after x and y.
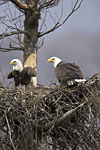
x: 55, y: 118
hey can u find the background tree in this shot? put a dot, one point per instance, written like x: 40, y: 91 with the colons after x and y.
x: 53, y: 118
x: 27, y: 25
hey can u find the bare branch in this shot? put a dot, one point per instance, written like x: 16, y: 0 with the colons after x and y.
x: 13, y: 33
x: 23, y: 6
x: 65, y: 118
x: 51, y: 30
x: 11, y: 49
x: 58, y: 24
x: 9, y: 132
x: 48, y: 4
x: 3, y: 2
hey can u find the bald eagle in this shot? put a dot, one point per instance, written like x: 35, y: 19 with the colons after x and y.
x: 66, y: 73
x: 21, y: 75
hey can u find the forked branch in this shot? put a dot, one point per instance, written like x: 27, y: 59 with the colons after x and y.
x: 58, y: 24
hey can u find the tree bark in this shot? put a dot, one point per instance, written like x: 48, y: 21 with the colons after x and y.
x: 30, y: 42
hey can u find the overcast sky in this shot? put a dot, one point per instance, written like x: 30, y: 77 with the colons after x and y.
x: 78, y: 40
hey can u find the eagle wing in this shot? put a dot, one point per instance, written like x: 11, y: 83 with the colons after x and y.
x: 10, y: 75
x: 23, y: 77
x: 67, y: 71
x: 26, y: 74
x: 28, y: 71
x: 16, y: 75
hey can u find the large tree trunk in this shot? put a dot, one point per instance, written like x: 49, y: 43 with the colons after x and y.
x: 30, y: 52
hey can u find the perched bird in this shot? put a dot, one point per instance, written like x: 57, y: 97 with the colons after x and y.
x: 66, y: 72
x: 22, y: 75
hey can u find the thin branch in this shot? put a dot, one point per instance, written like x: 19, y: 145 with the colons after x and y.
x: 48, y: 4
x: 9, y: 26
x: 6, y: 1
x: 13, y: 33
x: 51, y: 30
x: 9, y: 132
x: 58, y: 24
x: 65, y: 118
x: 11, y: 49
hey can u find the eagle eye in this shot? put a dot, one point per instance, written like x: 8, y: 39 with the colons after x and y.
x: 53, y: 58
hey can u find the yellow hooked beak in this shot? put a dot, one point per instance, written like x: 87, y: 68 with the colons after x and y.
x: 49, y: 60
x: 11, y: 63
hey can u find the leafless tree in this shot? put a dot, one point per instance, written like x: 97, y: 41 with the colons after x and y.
x: 26, y: 26
x: 50, y: 118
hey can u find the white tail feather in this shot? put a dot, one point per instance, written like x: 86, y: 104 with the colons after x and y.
x: 80, y: 80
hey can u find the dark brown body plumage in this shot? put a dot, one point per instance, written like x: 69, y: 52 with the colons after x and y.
x: 23, y: 77
x: 67, y: 71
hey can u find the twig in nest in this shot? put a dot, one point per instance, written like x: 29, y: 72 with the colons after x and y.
x: 9, y: 132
